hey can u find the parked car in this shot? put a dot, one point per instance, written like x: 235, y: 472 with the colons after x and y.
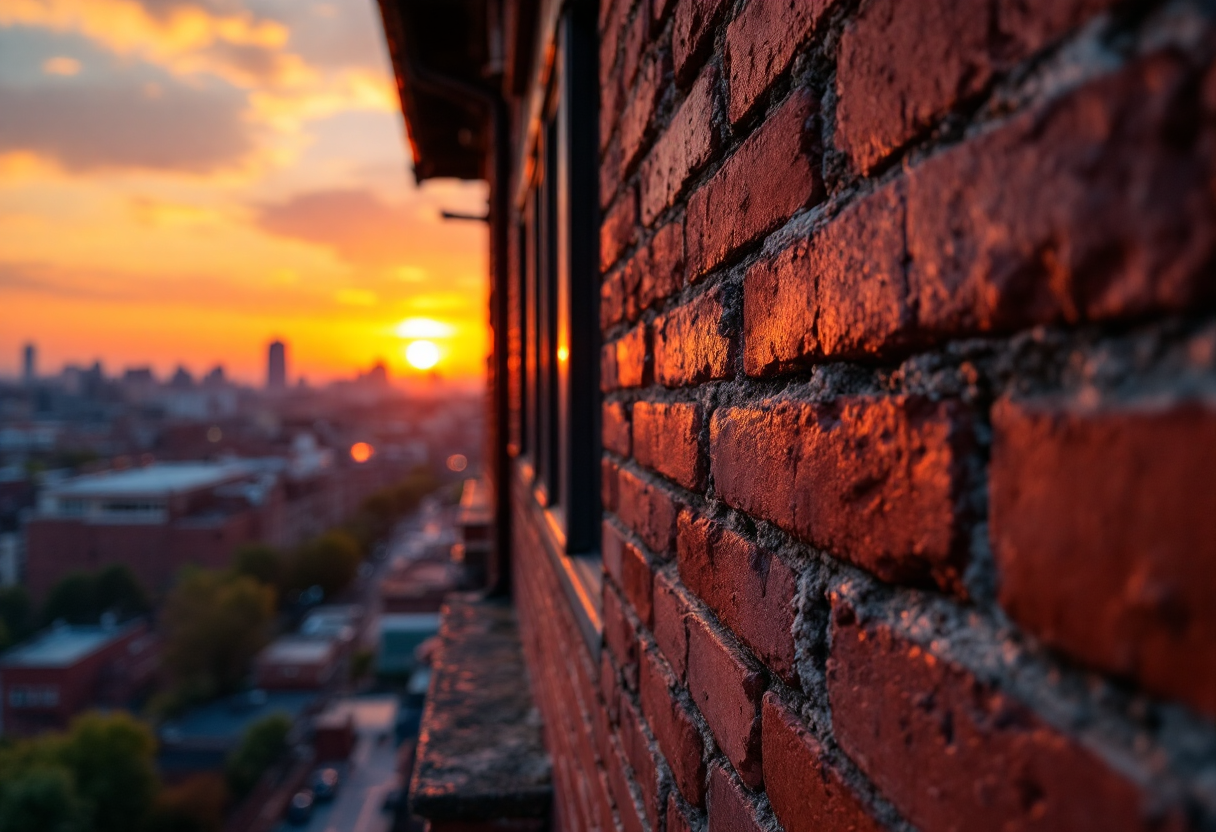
x: 325, y: 784
x: 299, y: 810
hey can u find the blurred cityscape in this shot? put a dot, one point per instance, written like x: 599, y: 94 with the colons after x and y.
x: 221, y: 595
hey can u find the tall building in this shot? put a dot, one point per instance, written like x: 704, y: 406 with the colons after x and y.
x: 276, y: 366
x: 29, y: 368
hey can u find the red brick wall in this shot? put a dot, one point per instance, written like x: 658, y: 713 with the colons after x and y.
x: 909, y: 422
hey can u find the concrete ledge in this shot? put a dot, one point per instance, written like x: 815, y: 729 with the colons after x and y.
x: 480, y: 753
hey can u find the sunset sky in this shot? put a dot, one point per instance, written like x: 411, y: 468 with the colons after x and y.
x: 183, y: 180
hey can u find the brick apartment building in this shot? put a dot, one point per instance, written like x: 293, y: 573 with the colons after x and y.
x: 854, y: 400
x: 66, y: 670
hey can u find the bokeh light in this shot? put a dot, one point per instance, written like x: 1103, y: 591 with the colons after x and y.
x: 361, y: 452
x: 457, y: 462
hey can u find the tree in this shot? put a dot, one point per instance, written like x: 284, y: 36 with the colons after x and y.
x: 16, y: 612
x: 73, y: 599
x: 194, y: 805
x: 263, y: 743
x: 41, y: 798
x: 261, y: 562
x: 119, y: 591
x: 330, y: 561
x: 214, y: 624
x: 111, y: 757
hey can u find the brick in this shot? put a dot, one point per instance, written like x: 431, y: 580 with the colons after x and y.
x: 650, y: 511
x: 692, y: 32
x: 730, y: 809
x: 750, y: 591
x: 902, y: 66
x: 675, y: 728
x: 628, y: 806
x: 841, y: 294
x: 618, y: 231
x: 688, y: 144
x: 637, y: 580
x: 612, y: 299
x: 992, y: 763
x: 639, y: 112
x: 664, y: 272
x: 726, y: 687
x: 632, y: 358
x: 613, y: 552
x: 608, y: 368
x: 677, y: 821
x: 875, y: 480
x: 609, y: 485
x: 619, y: 636
x: 668, y: 440
x: 634, y: 42
x: 615, y: 428
x: 670, y: 629
x: 658, y: 11
x: 760, y: 45
x: 1101, y: 523
x: 642, y: 760
x: 1085, y: 209
x: 693, y: 343
x: 772, y: 175
x: 806, y: 793
x: 612, y: 102
x: 609, y: 689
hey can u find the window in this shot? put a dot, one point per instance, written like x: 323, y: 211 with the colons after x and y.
x: 557, y: 288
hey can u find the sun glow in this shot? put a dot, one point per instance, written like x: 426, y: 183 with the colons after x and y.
x: 361, y: 452
x: 422, y: 355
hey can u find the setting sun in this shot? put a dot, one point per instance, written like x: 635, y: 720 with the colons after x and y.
x: 422, y: 355
x: 361, y: 452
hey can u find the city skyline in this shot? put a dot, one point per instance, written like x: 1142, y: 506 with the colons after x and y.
x: 245, y: 176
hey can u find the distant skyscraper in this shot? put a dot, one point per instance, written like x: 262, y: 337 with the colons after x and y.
x: 276, y: 366
x: 29, y: 364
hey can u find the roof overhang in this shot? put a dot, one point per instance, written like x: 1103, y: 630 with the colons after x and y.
x: 435, y: 46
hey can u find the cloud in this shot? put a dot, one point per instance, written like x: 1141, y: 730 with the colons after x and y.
x: 61, y: 65
x: 360, y: 227
x: 96, y: 128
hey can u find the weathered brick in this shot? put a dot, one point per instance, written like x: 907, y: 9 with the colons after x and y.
x: 609, y: 688
x: 628, y: 806
x: 806, y: 793
x: 677, y: 821
x: 902, y: 66
x: 667, y: 439
x: 618, y: 231
x: 688, y: 144
x: 639, y: 112
x: 615, y: 428
x: 637, y: 579
x: 664, y: 272
x: 619, y: 636
x: 670, y: 629
x: 1101, y: 524
x: 760, y: 44
x: 674, y: 728
x: 1091, y: 207
x: 726, y: 687
x: 693, y: 343
x: 730, y: 809
x: 610, y: 172
x: 632, y: 358
x: 609, y: 487
x: 612, y: 545
x: 875, y: 480
x: 612, y: 299
x: 642, y: 760
x: 991, y: 763
x: 749, y: 590
x: 650, y: 511
x: 771, y: 176
x: 634, y: 40
x: 608, y: 368
x: 841, y: 294
x: 692, y: 32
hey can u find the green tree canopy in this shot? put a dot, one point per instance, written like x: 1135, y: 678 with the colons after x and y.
x: 263, y: 743
x: 112, y: 759
x: 42, y: 798
x: 82, y: 597
x: 261, y: 562
x: 214, y: 624
x: 330, y: 561
x: 16, y: 612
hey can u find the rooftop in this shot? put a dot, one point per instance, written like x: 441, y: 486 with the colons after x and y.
x: 63, y: 646
x: 298, y: 650
x: 159, y: 479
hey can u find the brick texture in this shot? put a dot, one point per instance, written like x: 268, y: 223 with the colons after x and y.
x: 668, y: 440
x: 760, y: 44
x: 693, y: 343
x: 730, y: 809
x: 649, y: 510
x: 674, y: 728
x: 688, y: 144
x: 1101, y: 525
x: 874, y: 480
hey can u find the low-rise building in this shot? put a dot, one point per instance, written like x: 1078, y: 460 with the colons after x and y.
x: 69, y: 669
x: 297, y: 662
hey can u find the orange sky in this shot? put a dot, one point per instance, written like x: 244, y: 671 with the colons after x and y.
x: 183, y: 180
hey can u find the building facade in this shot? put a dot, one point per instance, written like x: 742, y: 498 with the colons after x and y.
x: 852, y: 400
